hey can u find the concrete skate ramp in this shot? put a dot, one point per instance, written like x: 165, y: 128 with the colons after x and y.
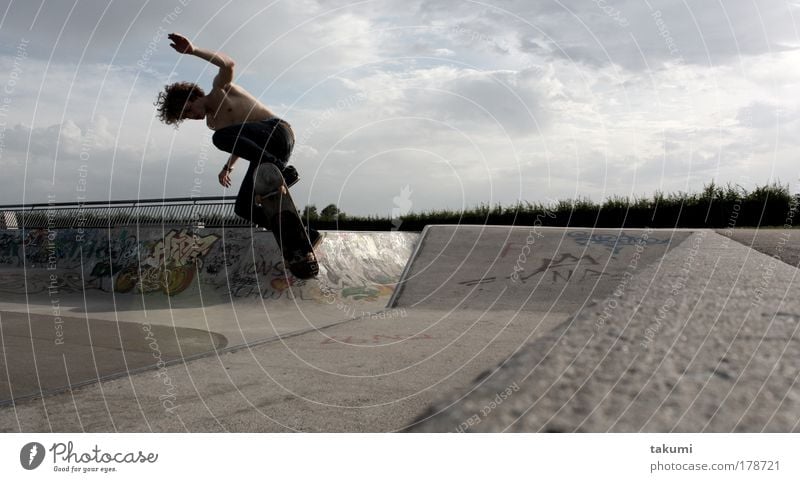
x: 525, y: 268
x: 107, y: 293
x: 707, y: 340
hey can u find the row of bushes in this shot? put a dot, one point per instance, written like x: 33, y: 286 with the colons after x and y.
x: 714, y: 207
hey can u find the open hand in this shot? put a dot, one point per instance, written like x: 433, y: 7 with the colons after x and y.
x: 180, y: 43
x: 225, y: 178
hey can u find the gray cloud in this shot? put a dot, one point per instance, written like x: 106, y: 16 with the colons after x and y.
x: 631, y: 33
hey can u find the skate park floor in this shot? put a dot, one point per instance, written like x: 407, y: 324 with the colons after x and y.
x: 490, y: 329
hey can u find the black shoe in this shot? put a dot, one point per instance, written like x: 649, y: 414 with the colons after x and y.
x: 290, y: 176
x: 303, y: 265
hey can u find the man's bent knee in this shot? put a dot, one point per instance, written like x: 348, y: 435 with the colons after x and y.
x: 223, y: 141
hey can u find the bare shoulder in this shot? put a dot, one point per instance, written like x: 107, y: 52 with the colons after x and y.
x: 237, y: 90
x: 221, y: 91
x: 246, y: 101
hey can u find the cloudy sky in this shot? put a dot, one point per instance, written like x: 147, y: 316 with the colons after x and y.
x: 453, y: 102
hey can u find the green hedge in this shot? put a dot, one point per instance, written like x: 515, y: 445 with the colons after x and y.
x: 715, y: 207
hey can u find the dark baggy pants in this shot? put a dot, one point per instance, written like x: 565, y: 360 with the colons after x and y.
x: 269, y: 140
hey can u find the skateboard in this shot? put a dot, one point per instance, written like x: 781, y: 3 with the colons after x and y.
x: 285, y: 222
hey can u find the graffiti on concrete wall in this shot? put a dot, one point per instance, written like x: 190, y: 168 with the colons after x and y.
x: 613, y: 242
x: 570, y: 266
x: 106, y: 260
x: 563, y: 267
x: 236, y: 262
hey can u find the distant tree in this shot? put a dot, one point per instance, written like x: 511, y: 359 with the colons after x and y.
x: 330, y: 213
x: 310, y: 213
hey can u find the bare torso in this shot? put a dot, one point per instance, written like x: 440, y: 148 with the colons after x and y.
x: 233, y: 105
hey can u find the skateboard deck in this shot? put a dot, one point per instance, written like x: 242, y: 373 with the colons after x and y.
x: 285, y: 222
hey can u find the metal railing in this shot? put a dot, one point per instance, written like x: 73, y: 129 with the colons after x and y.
x: 195, y: 212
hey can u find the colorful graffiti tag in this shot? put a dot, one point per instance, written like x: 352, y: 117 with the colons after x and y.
x: 169, y: 266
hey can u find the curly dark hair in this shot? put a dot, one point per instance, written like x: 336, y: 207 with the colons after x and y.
x: 173, y: 99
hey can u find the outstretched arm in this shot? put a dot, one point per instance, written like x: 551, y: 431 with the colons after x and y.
x: 225, y: 63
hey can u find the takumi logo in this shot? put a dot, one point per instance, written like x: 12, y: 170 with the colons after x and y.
x: 31, y: 455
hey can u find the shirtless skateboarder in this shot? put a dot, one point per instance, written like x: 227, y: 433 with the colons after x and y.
x: 243, y: 127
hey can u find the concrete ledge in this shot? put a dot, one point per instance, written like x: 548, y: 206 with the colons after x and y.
x: 705, y: 341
